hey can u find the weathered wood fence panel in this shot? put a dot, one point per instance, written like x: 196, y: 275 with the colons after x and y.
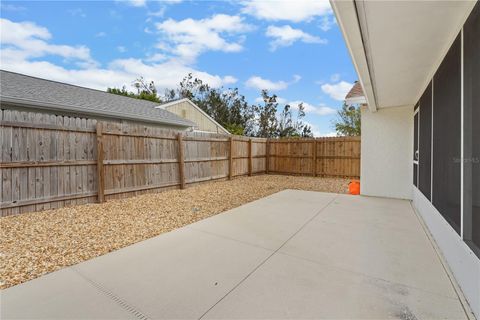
x: 47, y: 161
x: 138, y: 159
x: 338, y: 156
x: 332, y: 156
x: 51, y: 161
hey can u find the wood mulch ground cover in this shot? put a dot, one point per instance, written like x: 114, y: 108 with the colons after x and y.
x: 33, y: 244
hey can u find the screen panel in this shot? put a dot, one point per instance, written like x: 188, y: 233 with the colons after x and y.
x: 415, y: 149
x: 425, y: 143
x: 415, y: 136
x: 471, y: 38
x: 447, y: 136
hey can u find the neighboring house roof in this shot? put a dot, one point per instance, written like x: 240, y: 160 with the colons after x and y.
x: 356, y: 91
x: 27, y: 91
x: 176, y: 101
x: 355, y: 95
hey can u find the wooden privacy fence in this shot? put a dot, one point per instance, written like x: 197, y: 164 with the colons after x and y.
x: 329, y: 156
x: 52, y: 161
x: 135, y: 160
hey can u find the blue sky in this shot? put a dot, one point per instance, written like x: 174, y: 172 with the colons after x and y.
x: 293, y: 48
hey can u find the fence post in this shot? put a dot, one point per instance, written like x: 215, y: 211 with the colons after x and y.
x: 322, y: 156
x: 250, y: 151
x: 181, y: 161
x: 100, y: 170
x: 230, y: 159
x: 315, y: 157
x: 267, y: 156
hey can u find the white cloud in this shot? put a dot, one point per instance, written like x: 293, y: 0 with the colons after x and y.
x: 288, y: 10
x: 156, y: 57
x: 78, y: 12
x: 320, y: 110
x: 265, y: 84
x: 229, y: 80
x: 335, y: 77
x: 327, y: 22
x: 159, y: 13
x: 118, y: 73
x: 286, y: 35
x: 30, y: 41
x: 260, y: 83
x: 115, y: 14
x: 100, y: 34
x: 337, y: 91
x: 189, y: 38
x: 24, y: 44
x: 121, y: 49
x: 136, y: 3
x: 11, y: 7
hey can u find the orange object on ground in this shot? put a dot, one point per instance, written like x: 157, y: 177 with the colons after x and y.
x: 354, y: 187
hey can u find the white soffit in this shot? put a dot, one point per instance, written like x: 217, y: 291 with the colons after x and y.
x: 403, y: 44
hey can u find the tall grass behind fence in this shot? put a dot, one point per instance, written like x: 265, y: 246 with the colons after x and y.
x: 51, y: 161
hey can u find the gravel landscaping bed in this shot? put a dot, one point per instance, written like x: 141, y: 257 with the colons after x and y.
x: 37, y: 243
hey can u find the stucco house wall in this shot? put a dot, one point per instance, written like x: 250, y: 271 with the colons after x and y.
x: 387, y: 152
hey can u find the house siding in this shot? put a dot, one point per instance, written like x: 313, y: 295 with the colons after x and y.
x: 185, y: 110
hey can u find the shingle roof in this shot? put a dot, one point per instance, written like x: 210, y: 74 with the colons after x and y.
x: 356, y: 91
x: 25, y: 90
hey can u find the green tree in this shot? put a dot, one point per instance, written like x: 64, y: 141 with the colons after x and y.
x: 290, y: 127
x: 227, y: 106
x: 267, y: 116
x: 347, y: 122
x: 145, y: 91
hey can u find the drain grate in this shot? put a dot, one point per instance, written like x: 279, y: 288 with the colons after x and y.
x: 122, y: 303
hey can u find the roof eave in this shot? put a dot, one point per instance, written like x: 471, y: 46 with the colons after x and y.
x: 90, y: 111
x: 346, y: 14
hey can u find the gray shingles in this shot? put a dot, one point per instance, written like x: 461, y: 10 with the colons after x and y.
x: 27, y: 90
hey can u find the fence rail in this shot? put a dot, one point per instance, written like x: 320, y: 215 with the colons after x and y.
x: 52, y: 161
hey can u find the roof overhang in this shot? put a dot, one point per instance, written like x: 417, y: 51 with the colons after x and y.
x: 396, y: 46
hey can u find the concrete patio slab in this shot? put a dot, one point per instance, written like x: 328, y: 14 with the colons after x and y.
x: 60, y: 295
x: 291, y: 288
x: 267, y: 223
x: 373, y: 211
x: 294, y: 254
x: 373, y: 247
x: 177, y: 275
